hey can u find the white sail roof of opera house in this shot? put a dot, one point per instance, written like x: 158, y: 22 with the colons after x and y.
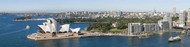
x: 53, y: 26
x: 76, y: 30
x: 65, y: 28
x: 50, y: 26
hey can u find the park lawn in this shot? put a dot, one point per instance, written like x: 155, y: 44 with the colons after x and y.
x: 115, y: 29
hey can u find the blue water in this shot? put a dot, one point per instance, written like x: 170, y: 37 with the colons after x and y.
x: 13, y: 34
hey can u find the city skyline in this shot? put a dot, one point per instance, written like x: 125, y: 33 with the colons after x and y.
x: 89, y: 5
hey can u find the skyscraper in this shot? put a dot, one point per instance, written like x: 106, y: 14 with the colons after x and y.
x: 168, y: 17
x: 164, y: 25
x: 154, y: 10
x: 188, y: 18
x: 174, y: 11
x: 182, y: 18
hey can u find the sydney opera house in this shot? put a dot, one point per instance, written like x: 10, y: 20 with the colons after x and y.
x: 52, y: 26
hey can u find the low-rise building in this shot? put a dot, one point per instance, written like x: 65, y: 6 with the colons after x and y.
x: 115, y: 24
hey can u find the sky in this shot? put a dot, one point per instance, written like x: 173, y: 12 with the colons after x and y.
x: 91, y: 5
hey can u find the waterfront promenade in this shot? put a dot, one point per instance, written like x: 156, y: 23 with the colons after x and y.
x: 47, y: 36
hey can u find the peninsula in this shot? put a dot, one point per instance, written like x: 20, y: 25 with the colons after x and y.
x: 28, y: 19
x: 52, y: 30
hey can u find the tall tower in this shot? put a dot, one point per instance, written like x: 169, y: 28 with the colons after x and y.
x: 168, y: 17
x: 174, y: 11
x: 154, y: 10
x: 182, y: 18
x: 188, y: 18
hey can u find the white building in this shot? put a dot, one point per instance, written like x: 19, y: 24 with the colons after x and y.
x: 76, y: 30
x: 134, y: 28
x: 168, y: 17
x: 65, y: 28
x: 51, y: 26
x: 182, y: 18
x: 174, y: 11
x: 164, y: 25
x: 188, y: 16
x: 151, y: 27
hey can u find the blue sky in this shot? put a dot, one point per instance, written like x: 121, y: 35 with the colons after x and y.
x: 91, y: 5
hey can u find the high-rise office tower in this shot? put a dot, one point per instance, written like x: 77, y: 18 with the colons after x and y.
x: 188, y: 18
x: 174, y: 11
x: 164, y: 25
x: 154, y: 10
x: 168, y: 18
x: 182, y: 18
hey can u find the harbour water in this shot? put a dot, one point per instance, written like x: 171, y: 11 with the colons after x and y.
x: 13, y: 34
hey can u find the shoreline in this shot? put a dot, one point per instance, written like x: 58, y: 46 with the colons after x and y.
x: 48, y: 36
x: 33, y: 19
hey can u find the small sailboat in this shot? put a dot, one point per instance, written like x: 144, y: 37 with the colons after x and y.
x: 27, y: 27
x: 172, y: 39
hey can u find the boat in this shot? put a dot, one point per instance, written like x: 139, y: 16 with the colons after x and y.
x: 143, y: 36
x: 27, y: 27
x: 161, y: 33
x: 172, y: 39
x: 183, y: 32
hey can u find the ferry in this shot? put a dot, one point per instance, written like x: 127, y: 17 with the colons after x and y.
x: 27, y: 27
x: 172, y: 39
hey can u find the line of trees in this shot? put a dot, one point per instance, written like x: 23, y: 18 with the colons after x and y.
x: 105, y: 24
x: 22, y: 18
x: 122, y: 23
x: 124, y: 20
x: 102, y: 27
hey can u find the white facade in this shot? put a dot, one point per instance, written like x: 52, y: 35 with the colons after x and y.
x: 168, y: 18
x: 188, y: 16
x: 174, y: 11
x: 134, y: 28
x: 182, y: 18
x: 76, y: 30
x: 65, y: 28
x: 52, y: 26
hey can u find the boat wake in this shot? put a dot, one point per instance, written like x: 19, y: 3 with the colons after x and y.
x: 12, y: 32
x: 7, y: 26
